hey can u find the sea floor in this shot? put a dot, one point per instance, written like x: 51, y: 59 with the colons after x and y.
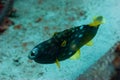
x: 37, y: 20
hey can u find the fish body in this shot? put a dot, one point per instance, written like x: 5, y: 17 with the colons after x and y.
x: 64, y: 44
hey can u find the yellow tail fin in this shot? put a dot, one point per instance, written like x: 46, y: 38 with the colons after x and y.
x: 97, y: 21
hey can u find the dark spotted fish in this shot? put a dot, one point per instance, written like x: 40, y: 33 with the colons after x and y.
x: 65, y: 44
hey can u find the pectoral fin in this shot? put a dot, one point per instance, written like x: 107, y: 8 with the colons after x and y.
x: 57, y: 63
x: 76, y: 55
x: 90, y: 43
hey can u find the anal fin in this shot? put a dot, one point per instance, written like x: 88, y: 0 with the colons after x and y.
x: 90, y: 43
x: 76, y: 55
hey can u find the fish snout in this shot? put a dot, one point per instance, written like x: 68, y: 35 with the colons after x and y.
x: 32, y: 55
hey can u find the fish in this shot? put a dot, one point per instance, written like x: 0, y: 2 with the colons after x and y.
x: 65, y: 44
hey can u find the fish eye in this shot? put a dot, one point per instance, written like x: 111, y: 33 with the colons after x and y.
x: 33, y: 53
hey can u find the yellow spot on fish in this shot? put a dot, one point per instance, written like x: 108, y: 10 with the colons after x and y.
x: 73, y: 46
x: 63, y: 44
x: 76, y: 55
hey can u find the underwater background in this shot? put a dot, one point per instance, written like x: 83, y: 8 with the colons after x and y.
x: 37, y: 20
